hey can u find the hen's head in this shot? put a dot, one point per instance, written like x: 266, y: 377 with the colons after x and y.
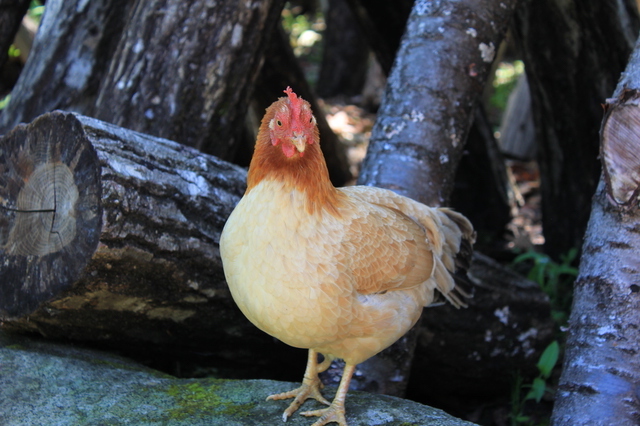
x: 292, y: 125
x: 288, y: 150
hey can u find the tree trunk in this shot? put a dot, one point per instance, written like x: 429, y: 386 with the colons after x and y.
x: 345, y: 54
x: 483, y: 175
x: 11, y: 13
x: 185, y: 70
x: 70, y: 55
x: 383, y: 23
x: 573, y: 52
x: 599, y: 382
x: 426, y: 113
x: 482, y: 186
x: 424, y: 118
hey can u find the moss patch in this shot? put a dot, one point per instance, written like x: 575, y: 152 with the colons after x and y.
x: 195, y: 399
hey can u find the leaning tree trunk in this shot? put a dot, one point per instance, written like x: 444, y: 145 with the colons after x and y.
x: 185, y: 70
x: 599, y: 383
x: 422, y: 124
x: 574, y: 52
x: 69, y: 57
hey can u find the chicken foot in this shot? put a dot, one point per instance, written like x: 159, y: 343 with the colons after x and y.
x: 336, y: 411
x: 310, y: 388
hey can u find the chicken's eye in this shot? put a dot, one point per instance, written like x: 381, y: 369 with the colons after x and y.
x: 279, y: 123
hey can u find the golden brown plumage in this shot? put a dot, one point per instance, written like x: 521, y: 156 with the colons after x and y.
x: 343, y: 272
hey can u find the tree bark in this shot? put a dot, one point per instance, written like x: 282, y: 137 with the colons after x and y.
x: 481, y: 180
x: 345, y: 54
x: 185, y: 70
x: 70, y: 54
x: 599, y: 382
x: 425, y: 116
x: 573, y: 52
x: 383, y: 23
x: 11, y: 13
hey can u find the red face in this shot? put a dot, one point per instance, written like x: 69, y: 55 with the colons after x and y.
x: 293, y: 126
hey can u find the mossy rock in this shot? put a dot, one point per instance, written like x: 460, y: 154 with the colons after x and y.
x: 46, y: 383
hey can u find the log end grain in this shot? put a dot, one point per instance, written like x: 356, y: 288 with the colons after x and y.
x: 619, y: 149
x: 50, y: 211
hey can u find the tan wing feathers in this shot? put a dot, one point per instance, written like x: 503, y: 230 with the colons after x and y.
x: 401, y: 243
x: 387, y: 251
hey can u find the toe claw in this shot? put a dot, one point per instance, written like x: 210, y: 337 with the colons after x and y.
x: 327, y: 415
x: 299, y: 395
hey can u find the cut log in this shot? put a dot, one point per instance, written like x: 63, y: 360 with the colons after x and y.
x: 423, y: 122
x: 481, y: 191
x: 382, y: 23
x: 601, y: 368
x: 106, y: 230
x: 517, y: 130
x: 345, y: 54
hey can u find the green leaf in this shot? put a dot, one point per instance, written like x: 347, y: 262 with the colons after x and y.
x: 537, y: 389
x: 5, y: 101
x: 548, y: 359
x: 14, y: 52
x: 525, y: 256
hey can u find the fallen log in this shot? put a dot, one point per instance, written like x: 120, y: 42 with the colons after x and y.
x: 108, y: 231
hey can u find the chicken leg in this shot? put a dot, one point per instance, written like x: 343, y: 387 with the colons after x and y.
x: 335, y: 412
x: 310, y: 388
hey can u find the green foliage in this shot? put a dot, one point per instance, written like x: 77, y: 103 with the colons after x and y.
x: 537, y: 388
x: 36, y: 9
x: 545, y: 365
x: 505, y: 80
x: 555, y: 279
x: 304, y: 30
x: 14, y: 52
x: 4, y: 102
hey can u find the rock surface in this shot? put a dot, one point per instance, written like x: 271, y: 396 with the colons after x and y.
x: 46, y: 383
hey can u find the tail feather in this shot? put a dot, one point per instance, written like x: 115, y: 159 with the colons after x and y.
x: 458, y: 237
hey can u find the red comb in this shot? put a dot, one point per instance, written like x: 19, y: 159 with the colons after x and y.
x: 294, y: 101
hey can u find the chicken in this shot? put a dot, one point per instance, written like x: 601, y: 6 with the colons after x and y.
x: 343, y: 272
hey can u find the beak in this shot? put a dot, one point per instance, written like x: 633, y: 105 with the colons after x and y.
x: 299, y: 141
